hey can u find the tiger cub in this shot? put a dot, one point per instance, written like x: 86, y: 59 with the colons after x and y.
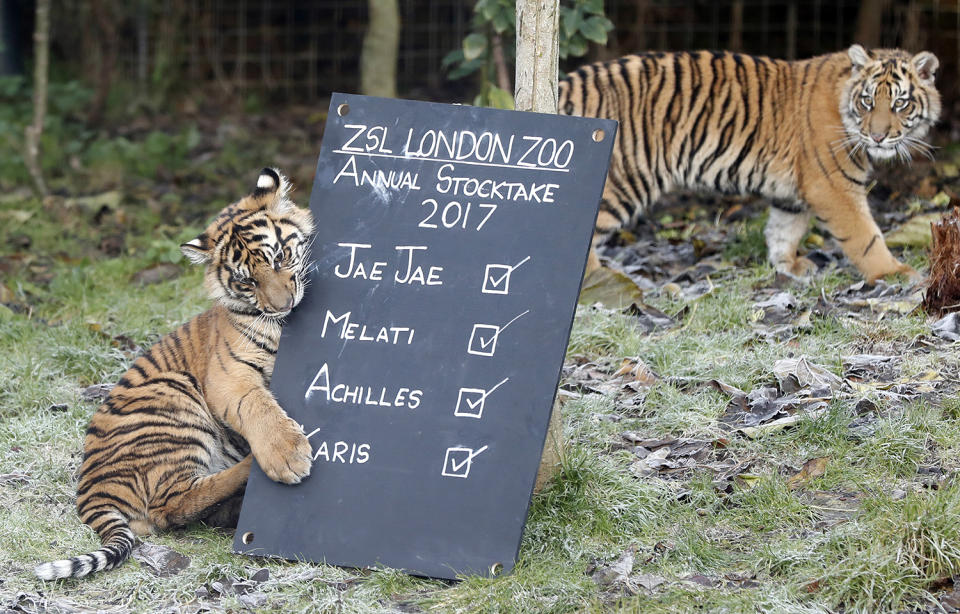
x: 803, y: 134
x: 172, y: 442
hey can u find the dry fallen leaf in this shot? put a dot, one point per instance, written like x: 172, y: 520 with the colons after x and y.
x: 792, y: 373
x: 612, y: 289
x: 813, y: 468
x: 914, y: 233
x: 638, y: 371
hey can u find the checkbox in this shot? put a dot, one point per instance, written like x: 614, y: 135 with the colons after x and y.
x: 470, y: 403
x: 457, y: 462
x: 483, y: 340
x: 496, y: 279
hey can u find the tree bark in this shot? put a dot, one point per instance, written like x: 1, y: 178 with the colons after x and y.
x: 106, y: 18
x: 378, y: 60
x: 736, y: 26
x: 912, y: 32
x: 870, y: 22
x: 538, y: 52
x: 33, y: 132
x: 500, y: 62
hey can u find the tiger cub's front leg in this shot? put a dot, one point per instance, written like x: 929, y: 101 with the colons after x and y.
x: 276, y: 440
x: 847, y: 216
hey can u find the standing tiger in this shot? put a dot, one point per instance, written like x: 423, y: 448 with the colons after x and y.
x: 171, y: 443
x: 802, y: 134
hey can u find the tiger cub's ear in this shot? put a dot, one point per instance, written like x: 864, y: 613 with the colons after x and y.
x: 926, y: 64
x: 273, y: 187
x: 859, y: 56
x: 197, y: 250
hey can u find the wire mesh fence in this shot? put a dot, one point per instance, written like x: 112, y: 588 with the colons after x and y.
x: 303, y: 49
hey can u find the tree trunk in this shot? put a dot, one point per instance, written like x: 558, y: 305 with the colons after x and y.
x: 41, y: 43
x: 500, y: 62
x: 106, y: 18
x: 870, y: 22
x: 538, y: 52
x: 912, y: 32
x: 736, y: 26
x: 378, y: 60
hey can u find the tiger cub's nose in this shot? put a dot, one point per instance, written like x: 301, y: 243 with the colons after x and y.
x: 877, y: 136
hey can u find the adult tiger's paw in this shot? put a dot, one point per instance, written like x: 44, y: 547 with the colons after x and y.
x: 284, y: 453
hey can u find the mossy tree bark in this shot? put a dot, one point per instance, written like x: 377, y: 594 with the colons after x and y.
x: 33, y: 132
x: 870, y: 22
x: 535, y: 89
x: 378, y: 60
x: 538, y: 53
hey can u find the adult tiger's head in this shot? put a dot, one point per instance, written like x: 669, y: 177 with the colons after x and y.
x: 890, y: 102
x: 256, y: 250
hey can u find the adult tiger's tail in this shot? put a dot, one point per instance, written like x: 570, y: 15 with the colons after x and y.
x: 118, y: 542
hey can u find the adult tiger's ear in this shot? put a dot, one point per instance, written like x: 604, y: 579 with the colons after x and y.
x: 273, y: 187
x: 926, y: 65
x: 197, y: 250
x: 859, y: 56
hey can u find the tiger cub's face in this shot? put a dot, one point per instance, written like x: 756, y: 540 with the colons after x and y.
x: 889, y: 102
x: 256, y: 250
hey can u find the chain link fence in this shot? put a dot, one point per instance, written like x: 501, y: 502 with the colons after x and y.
x: 300, y: 50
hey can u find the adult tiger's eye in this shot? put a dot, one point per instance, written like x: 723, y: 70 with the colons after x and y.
x: 866, y: 99
x: 900, y: 104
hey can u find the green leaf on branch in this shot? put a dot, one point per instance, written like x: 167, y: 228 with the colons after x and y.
x: 594, y: 7
x: 595, y: 29
x: 487, y: 8
x: 572, y: 20
x: 467, y: 68
x: 501, y: 22
x: 452, y: 58
x: 499, y: 98
x: 577, y: 45
x: 474, y: 46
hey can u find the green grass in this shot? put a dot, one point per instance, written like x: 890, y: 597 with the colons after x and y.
x: 78, y: 317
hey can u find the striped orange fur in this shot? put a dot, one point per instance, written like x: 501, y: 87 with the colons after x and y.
x: 172, y: 442
x: 803, y: 134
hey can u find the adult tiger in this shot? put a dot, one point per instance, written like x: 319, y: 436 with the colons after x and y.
x: 800, y: 133
x: 172, y: 442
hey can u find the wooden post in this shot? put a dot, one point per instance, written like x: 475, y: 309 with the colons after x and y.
x: 538, y: 53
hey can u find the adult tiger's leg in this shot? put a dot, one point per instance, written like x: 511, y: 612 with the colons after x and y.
x: 786, y: 226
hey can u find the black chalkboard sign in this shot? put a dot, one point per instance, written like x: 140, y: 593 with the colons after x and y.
x: 424, y: 359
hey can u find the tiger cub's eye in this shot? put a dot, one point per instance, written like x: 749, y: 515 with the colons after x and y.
x: 866, y: 99
x: 242, y: 279
x: 900, y: 104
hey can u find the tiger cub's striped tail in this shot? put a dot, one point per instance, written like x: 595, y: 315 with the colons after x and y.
x: 118, y: 542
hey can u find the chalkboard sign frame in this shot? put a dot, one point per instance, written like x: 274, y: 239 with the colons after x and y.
x: 443, y: 491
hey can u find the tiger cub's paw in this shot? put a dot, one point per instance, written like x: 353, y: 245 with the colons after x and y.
x: 800, y: 269
x: 901, y: 271
x: 286, y: 455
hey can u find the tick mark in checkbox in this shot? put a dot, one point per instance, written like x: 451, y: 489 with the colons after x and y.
x: 457, y: 462
x: 483, y: 338
x: 496, y: 277
x: 470, y: 401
